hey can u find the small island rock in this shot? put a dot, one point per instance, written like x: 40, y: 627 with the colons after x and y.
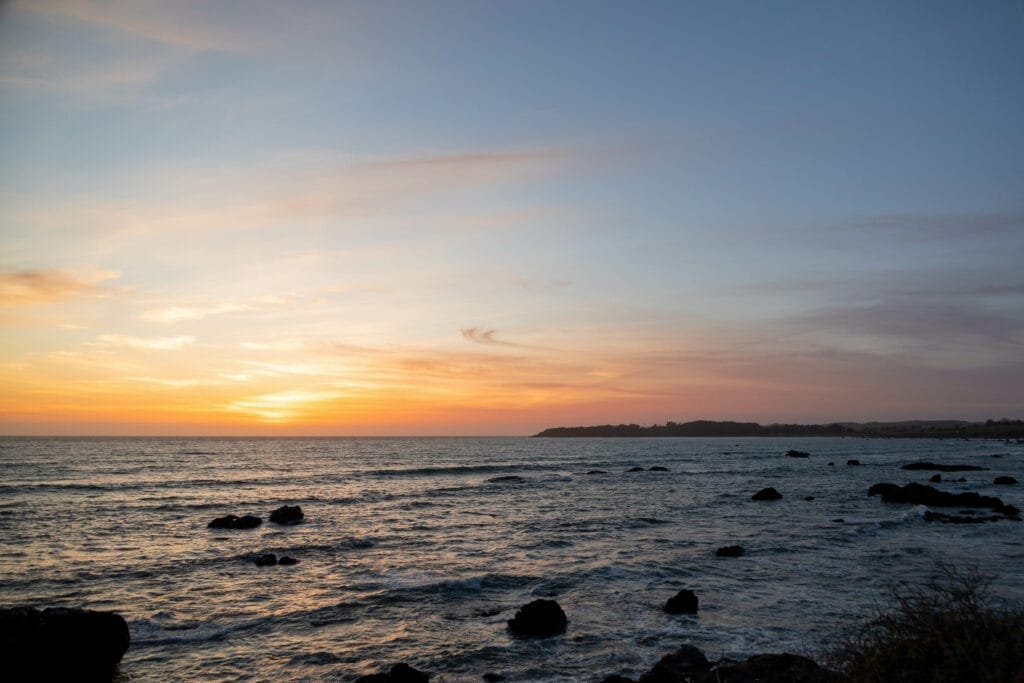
x: 538, y: 619
x: 730, y: 551
x: 1004, y: 481
x: 798, y: 454
x: 766, y: 494
x: 683, y: 602
x: 235, y: 522
x: 936, y: 479
x: 853, y: 462
x: 287, y: 514
x: 399, y: 673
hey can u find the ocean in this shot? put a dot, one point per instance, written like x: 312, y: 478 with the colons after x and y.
x: 419, y: 550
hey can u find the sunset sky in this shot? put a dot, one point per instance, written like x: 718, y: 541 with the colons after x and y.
x: 495, y: 217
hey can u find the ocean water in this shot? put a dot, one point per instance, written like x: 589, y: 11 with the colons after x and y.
x: 413, y: 550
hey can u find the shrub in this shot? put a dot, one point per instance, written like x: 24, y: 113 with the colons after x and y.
x: 945, y: 631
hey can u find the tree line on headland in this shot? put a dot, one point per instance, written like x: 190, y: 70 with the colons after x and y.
x: 990, y: 429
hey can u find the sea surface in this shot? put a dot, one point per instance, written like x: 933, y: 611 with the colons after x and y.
x: 419, y: 550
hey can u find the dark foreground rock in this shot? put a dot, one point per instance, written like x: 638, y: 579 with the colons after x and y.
x: 935, y: 479
x: 919, y: 494
x: 1004, y: 481
x: 399, y: 673
x: 766, y: 494
x: 234, y: 522
x: 730, y: 551
x: 61, y: 644
x: 798, y: 454
x: 287, y: 514
x: 689, y: 665
x: 683, y: 602
x: 942, y: 468
x: 538, y: 619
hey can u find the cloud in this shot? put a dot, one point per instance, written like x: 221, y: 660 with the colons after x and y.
x: 44, y: 286
x: 157, y: 343
x: 175, y: 314
x: 283, y: 405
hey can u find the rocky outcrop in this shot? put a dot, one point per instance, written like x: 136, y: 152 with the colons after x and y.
x: 935, y: 479
x: 264, y: 559
x: 234, y: 522
x: 286, y: 561
x: 681, y: 665
x: 919, y: 494
x: 399, y: 673
x: 730, y: 551
x: 287, y: 514
x: 538, y: 619
x: 1004, y: 481
x: 798, y: 454
x: 683, y: 602
x: 689, y: 665
x: 61, y: 644
x: 766, y: 494
x: 942, y: 468
x: 853, y: 462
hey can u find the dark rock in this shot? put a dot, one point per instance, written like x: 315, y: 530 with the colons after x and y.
x: 1004, y: 481
x: 936, y: 479
x: 658, y: 468
x: 233, y: 522
x: 400, y: 673
x: 616, y: 678
x: 730, y: 551
x: 287, y: 514
x: 766, y: 494
x: 286, y: 561
x: 61, y: 643
x: 597, y: 472
x: 264, y: 559
x: 853, y: 462
x: 678, y: 666
x: 797, y: 454
x: 771, y: 668
x: 493, y: 677
x: 507, y: 479
x: 683, y: 602
x: 538, y: 619
x: 635, y: 469
x: 941, y: 468
x: 808, y: 498
x: 961, y: 479
x: 831, y: 464
x: 997, y: 455
x: 919, y: 494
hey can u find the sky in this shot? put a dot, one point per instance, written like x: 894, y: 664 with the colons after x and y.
x: 489, y: 218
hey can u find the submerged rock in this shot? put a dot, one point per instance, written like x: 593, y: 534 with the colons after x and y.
x: 1004, y: 481
x: 942, y: 468
x: 264, y: 559
x: 506, y: 479
x: 730, y: 551
x: 936, y: 479
x: 286, y: 561
x: 399, y: 673
x: 658, y: 468
x: 287, y: 514
x: 766, y: 494
x: 853, y: 462
x: 771, y: 668
x: 234, y: 522
x: 597, y: 472
x: 61, y: 643
x: 919, y: 494
x: 538, y: 619
x: 683, y: 602
x: 635, y: 469
x: 798, y: 454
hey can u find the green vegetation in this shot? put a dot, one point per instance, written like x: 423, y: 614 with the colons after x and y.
x: 946, y: 631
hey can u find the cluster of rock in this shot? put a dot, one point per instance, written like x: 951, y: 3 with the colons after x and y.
x: 919, y: 494
x: 61, y: 643
x: 399, y: 673
x: 690, y: 665
x: 270, y: 559
x: 285, y: 515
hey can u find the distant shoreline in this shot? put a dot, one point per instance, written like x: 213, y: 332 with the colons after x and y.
x: 915, y: 429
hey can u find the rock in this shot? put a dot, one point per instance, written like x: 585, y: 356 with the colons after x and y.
x: 919, y: 494
x: 233, y: 522
x: 730, y: 551
x: 766, y: 494
x: 831, y: 464
x: 771, y: 668
x: 678, y: 666
x: 493, y: 677
x: 853, y: 462
x: 961, y: 479
x: 286, y: 561
x: 797, y: 454
x: 616, y: 678
x: 287, y: 514
x: 658, y: 468
x: 538, y: 619
x: 264, y: 559
x: 635, y: 469
x: 61, y: 643
x: 997, y: 455
x: 936, y: 479
x: 1004, y: 481
x: 683, y: 602
x: 808, y: 498
x: 400, y: 673
x: 941, y: 468
x: 597, y: 472
x: 507, y: 479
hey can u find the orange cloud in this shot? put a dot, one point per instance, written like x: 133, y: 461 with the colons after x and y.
x: 44, y: 286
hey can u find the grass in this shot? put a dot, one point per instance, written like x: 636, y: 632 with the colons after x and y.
x: 945, y: 631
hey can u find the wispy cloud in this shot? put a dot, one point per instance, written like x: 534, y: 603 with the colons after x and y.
x: 44, y: 286
x: 175, y: 314
x: 157, y: 343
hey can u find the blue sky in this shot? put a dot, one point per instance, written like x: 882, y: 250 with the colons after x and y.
x: 508, y: 214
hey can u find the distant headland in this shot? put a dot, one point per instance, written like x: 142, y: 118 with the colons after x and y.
x: 990, y: 429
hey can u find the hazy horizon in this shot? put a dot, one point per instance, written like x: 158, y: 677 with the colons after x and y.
x: 462, y: 218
